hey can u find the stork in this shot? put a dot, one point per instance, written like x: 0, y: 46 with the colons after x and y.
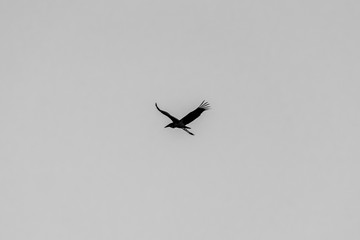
x: 176, y: 123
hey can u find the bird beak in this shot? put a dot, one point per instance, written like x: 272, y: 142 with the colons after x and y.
x: 167, y: 126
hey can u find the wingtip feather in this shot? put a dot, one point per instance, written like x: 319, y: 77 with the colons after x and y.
x: 204, y: 105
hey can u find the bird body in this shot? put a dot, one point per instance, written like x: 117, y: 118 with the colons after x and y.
x: 176, y: 123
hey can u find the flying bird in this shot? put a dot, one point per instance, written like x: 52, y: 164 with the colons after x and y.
x: 176, y: 123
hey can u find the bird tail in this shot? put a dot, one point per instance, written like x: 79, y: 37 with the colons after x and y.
x: 188, y: 131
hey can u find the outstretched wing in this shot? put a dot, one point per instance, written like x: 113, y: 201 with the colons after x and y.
x: 174, y: 119
x: 196, y: 113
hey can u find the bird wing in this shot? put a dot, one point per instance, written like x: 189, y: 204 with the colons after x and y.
x: 196, y: 113
x: 174, y: 119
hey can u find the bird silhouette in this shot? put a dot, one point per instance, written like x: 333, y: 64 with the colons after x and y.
x: 176, y: 123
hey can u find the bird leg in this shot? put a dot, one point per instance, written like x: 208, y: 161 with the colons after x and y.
x: 187, y: 131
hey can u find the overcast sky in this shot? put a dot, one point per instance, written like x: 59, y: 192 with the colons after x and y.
x: 84, y: 153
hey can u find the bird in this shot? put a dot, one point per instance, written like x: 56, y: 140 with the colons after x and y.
x: 176, y: 123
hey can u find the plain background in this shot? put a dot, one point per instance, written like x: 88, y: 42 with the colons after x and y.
x: 84, y: 153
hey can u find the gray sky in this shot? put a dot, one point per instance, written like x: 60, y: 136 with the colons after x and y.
x: 84, y: 153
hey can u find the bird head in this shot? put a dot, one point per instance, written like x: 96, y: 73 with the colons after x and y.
x: 170, y: 125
